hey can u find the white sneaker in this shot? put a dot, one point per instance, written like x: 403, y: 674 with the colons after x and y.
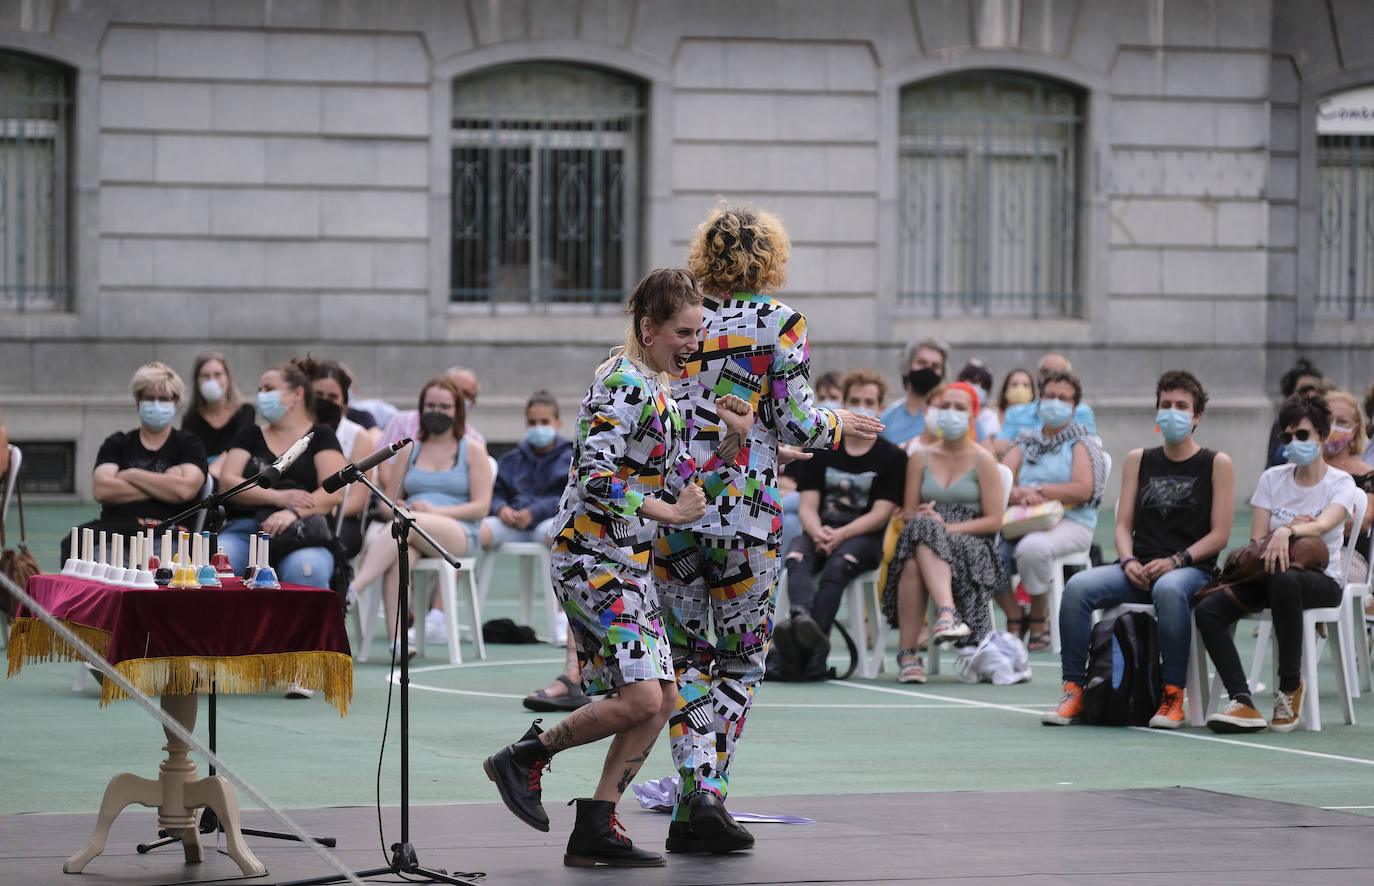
x: 296, y: 690
x: 436, y: 631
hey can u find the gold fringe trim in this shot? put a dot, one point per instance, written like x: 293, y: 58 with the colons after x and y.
x: 31, y: 642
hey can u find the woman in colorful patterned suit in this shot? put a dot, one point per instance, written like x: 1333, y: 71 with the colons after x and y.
x: 630, y: 472
x: 719, y: 573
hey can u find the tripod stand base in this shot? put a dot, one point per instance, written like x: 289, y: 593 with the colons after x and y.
x: 209, y: 824
x: 403, y: 861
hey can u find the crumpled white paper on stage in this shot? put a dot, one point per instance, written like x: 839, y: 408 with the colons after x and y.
x: 659, y: 794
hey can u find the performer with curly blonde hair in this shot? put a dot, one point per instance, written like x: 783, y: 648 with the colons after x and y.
x: 720, y: 572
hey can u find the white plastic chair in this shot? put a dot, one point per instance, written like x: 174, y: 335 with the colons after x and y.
x: 1008, y: 481
x: 1355, y: 594
x: 1344, y: 657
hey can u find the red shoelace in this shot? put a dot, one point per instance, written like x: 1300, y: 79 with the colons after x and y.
x: 618, y: 829
x: 537, y: 773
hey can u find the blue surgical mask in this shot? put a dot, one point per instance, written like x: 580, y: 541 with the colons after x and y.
x: 1174, y: 424
x: 832, y: 405
x: 1301, y: 452
x: 1056, y: 413
x: 540, y: 436
x: 270, y: 406
x: 859, y: 410
x: 952, y: 423
x: 156, y: 414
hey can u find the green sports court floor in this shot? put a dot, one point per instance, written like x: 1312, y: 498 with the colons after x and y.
x: 853, y: 737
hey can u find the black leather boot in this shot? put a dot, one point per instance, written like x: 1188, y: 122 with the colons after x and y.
x: 517, y: 770
x: 713, y: 826
x: 598, y: 838
x: 681, y: 838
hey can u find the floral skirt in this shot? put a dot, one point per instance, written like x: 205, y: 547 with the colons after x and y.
x: 975, y: 571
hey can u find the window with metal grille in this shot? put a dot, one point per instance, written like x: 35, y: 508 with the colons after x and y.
x: 988, y: 170
x: 35, y: 110
x: 1345, y: 226
x: 545, y: 178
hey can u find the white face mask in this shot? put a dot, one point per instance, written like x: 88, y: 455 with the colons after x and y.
x: 211, y: 390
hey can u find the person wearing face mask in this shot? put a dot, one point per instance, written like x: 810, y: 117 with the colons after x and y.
x: 406, y: 423
x: 988, y: 422
x: 1017, y: 388
x: 445, y: 478
x: 217, y: 410
x: 1341, y: 450
x: 332, y: 385
x: 922, y: 369
x: 1305, y: 497
x: 1027, y: 416
x: 1059, y: 460
x: 286, y: 402
x: 828, y: 396
x: 847, y: 497
x: 1173, y: 519
x: 153, y: 472
x: 945, y: 554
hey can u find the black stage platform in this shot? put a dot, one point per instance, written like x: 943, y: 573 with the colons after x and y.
x: 1148, y: 836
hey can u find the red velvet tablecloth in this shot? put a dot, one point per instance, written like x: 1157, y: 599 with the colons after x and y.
x: 231, y: 639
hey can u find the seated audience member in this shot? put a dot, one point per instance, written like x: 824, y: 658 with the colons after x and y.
x: 828, y: 396
x: 1027, y: 417
x: 1173, y: 519
x: 446, y: 479
x: 1017, y: 388
x: 286, y: 401
x: 922, y: 369
x: 1368, y: 456
x: 847, y: 496
x: 331, y: 383
x: 151, y: 473
x: 1306, y: 497
x: 407, y: 422
x: 217, y: 410
x: 988, y: 421
x: 1342, y: 448
x: 1060, y: 460
x: 953, y: 511
x: 1304, y: 378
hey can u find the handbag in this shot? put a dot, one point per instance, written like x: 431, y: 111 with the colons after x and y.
x: 312, y: 531
x: 1022, y: 519
x: 18, y: 565
x: 1246, y: 565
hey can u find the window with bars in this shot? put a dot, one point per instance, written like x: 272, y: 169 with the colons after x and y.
x: 988, y: 170
x: 35, y: 112
x: 545, y: 185
x: 1345, y: 226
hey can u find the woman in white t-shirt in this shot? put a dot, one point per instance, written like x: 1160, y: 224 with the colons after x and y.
x: 1307, y: 496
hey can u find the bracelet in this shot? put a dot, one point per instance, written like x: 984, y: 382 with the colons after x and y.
x: 295, y: 512
x: 1184, y: 558
x: 1130, y: 559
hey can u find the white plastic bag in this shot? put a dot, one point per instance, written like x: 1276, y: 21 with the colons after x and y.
x: 1001, y: 658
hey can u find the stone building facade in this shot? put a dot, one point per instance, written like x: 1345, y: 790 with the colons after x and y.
x: 412, y: 184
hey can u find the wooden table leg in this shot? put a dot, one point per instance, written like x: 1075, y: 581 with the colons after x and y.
x: 177, y: 794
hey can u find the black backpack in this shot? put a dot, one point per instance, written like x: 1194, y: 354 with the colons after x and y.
x: 781, y: 666
x: 1123, y: 684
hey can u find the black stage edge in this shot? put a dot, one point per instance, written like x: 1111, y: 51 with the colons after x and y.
x: 1142, y: 836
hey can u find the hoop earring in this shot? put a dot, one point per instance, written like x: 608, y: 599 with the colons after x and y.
x: 647, y: 341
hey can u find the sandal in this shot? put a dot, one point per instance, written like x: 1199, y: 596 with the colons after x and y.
x: 948, y: 626
x: 909, y: 667
x: 569, y: 701
x: 1038, y: 639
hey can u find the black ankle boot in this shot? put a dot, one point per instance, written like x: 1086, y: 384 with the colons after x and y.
x: 598, y: 838
x: 517, y: 770
x: 681, y: 838
x: 713, y: 826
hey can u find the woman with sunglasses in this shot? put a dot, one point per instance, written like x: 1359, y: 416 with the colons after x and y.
x: 1307, y: 496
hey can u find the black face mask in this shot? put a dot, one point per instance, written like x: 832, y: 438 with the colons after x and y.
x: 922, y: 381
x: 327, y: 412
x: 435, y: 422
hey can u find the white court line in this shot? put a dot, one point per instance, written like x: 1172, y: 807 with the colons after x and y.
x: 1348, y: 807
x: 1174, y: 732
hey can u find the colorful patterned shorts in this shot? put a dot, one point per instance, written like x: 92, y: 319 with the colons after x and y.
x: 614, y: 614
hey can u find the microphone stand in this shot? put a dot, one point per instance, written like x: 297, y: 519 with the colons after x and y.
x: 403, y: 858
x: 213, y: 505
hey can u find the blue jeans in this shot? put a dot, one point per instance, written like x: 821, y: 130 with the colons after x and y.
x: 308, y: 566
x: 1103, y: 587
x: 791, y: 519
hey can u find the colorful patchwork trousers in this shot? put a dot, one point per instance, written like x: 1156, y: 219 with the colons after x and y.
x: 723, y: 588
x: 615, y: 618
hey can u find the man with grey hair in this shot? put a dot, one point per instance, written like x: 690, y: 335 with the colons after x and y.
x: 1026, y: 416
x: 922, y: 369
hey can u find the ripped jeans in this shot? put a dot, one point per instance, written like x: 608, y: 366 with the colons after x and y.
x: 816, y: 582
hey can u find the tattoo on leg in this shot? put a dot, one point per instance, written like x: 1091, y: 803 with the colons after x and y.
x: 644, y: 756
x: 625, y: 778
x: 559, y: 738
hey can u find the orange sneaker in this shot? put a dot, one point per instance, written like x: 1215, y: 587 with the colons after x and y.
x: 1170, y: 713
x: 1070, y: 707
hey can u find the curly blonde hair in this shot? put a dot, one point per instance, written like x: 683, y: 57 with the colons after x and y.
x: 739, y: 249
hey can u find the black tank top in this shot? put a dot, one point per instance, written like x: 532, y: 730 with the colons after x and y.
x: 1173, y: 505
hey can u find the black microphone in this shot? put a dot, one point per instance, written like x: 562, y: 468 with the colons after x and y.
x: 288, y: 458
x: 334, y: 482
